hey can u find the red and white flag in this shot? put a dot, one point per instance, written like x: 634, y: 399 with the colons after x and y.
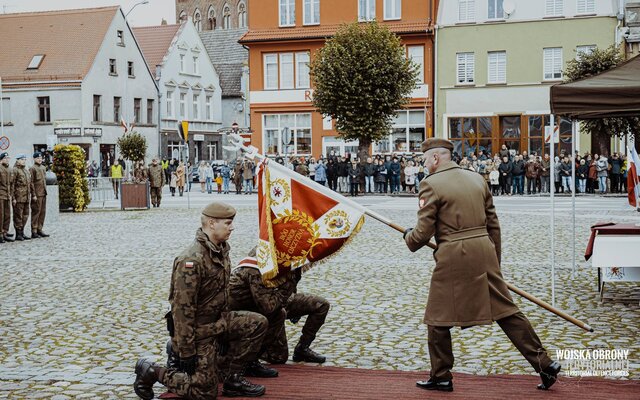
x: 301, y: 222
x: 633, y: 177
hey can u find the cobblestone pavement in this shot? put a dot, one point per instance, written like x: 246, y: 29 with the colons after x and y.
x: 78, y: 309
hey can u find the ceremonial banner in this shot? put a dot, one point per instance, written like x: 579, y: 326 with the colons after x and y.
x: 301, y: 222
x: 633, y: 178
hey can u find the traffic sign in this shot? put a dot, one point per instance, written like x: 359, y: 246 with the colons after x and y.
x: 547, y: 134
x: 4, y: 143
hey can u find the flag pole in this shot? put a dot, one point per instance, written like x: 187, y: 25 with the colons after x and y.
x: 252, y: 152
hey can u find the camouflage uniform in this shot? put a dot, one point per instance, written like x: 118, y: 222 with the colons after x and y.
x: 21, y: 196
x: 248, y: 292
x: 156, y: 182
x: 5, y: 199
x: 199, y: 296
x: 39, y: 190
x: 140, y: 174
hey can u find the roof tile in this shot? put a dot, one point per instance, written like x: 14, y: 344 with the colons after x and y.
x: 154, y: 42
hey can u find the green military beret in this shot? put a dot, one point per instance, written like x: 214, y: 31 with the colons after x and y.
x: 436, y: 143
x: 219, y: 210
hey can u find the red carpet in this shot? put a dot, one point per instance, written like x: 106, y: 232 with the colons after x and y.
x: 298, y: 382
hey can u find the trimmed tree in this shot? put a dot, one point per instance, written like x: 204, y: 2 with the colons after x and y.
x: 133, y: 146
x: 362, y: 77
x: 69, y: 167
x: 601, y: 130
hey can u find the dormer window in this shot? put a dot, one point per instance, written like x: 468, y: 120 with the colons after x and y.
x: 36, y: 61
x: 120, y: 41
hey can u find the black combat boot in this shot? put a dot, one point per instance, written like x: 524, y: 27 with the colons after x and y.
x: 549, y: 375
x: 8, y: 238
x: 42, y: 234
x: 146, y: 375
x: 259, y: 370
x: 173, y: 362
x: 441, y: 386
x: 304, y: 353
x: 34, y: 234
x: 19, y: 235
x: 236, y: 386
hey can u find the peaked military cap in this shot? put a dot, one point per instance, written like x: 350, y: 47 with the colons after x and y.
x: 220, y: 210
x: 21, y: 156
x: 436, y: 143
x: 4, y: 155
x: 37, y: 154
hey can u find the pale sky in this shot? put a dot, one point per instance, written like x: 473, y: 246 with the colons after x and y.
x: 142, y: 15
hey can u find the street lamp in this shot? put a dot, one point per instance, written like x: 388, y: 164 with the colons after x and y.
x: 136, y: 5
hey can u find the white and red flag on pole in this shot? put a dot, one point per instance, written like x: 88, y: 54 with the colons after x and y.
x: 301, y: 222
x: 633, y: 178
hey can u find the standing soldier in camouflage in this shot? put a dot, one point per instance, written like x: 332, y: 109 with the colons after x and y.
x: 5, y: 198
x: 156, y: 181
x: 200, y: 322
x: 20, y: 197
x: 248, y: 292
x: 38, y: 174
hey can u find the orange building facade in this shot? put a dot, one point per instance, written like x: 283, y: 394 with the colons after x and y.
x: 282, y: 39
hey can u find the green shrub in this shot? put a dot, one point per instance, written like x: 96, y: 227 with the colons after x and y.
x: 69, y: 167
x: 133, y: 146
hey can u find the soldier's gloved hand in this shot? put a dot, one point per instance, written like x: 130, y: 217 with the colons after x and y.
x: 294, y: 320
x: 406, y: 232
x: 188, y: 365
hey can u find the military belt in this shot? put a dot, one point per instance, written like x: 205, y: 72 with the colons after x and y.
x: 468, y: 233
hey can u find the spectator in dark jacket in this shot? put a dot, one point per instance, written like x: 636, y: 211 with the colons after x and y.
x: 332, y: 174
x: 394, y: 170
x: 565, y: 174
x: 369, y: 172
x: 354, y: 176
x: 505, y: 169
x: 518, y: 175
x: 343, y: 175
x: 583, y: 174
x: 615, y: 173
x: 532, y: 170
x: 381, y: 177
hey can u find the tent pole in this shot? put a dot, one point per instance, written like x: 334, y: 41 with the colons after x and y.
x: 552, y: 169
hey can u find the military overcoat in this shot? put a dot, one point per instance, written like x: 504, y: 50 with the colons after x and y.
x: 467, y: 287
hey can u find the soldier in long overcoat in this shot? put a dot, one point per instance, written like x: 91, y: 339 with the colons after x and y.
x: 38, y: 174
x: 202, y: 323
x: 5, y: 197
x: 21, y: 186
x: 467, y: 287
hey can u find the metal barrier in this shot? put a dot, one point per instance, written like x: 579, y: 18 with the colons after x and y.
x: 101, y: 190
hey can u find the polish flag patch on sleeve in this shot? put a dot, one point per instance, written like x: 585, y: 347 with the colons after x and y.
x: 188, y: 264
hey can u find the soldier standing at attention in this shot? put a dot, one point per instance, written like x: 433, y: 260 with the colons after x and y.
x: 5, y: 198
x: 200, y: 320
x: 156, y: 181
x: 467, y: 287
x: 248, y: 292
x: 38, y: 196
x: 20, y: 197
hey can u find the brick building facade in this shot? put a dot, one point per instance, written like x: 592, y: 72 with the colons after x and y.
x: 208, y: 15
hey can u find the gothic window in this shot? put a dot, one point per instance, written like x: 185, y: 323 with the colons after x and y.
x: 197, y: 20
x: 226, y: 19
x: 183, y: 16
x: 211, y: 18
x: 242, y: 15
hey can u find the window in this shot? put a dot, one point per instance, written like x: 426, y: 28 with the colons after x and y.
x: 149, y: 111
x: 120, y: 41
x: 302, y: 70
x: 116, y: 109
x: 242, y: 15
x: 271, y: 71
x: 196, y: 69
x: 497, y: 64
x: 286, y: 71
x: 366, y: 10
x: 311, y: 15
x: 44, y: 109
x: 113, y: 70
x: 554, y: 8
x: 208, y: 108
x: 586, y: 6
x: 584, y: 50
x: 212, y: 18
x: 470, y: 135
x: 197, y: 20
x: 416, y: 54
x: 226, y: 17
x: 136, y: 110
x: 6, y: 110
x: 465, y: 67
x: 496, y: 11
x: 466, y: 10
x: 287, y: 12
x: 407, y: 133
x: 553, y: 63
x: 130, y: 70
x: 36, y: 61
x: 182, y: 63
x: 97, y: 112
x: 299, y: 127
x: 169, y: 103
x: 196, y: 107
x: 183, y: 16
x: 392, y: 9
x: 183, y: 105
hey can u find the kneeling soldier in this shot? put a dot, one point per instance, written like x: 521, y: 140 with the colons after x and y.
x: 248, y: 292
x: 201, y: 321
